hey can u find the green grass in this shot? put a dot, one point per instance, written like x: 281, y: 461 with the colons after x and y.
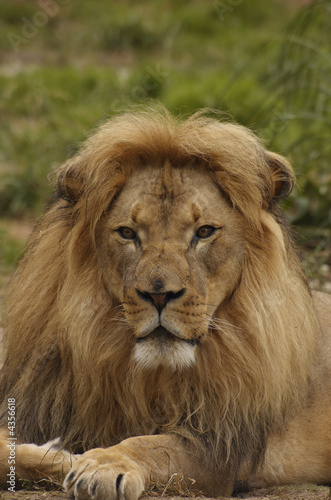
x: 266, y: 64
x: 11, y: 249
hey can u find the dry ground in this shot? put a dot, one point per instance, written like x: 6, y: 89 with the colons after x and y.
x: 305, y: 492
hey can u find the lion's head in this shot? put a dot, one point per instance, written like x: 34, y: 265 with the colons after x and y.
x: 161, y: 292
x: 172, y: 250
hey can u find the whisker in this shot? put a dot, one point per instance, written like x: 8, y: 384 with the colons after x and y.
x: 215, y: 323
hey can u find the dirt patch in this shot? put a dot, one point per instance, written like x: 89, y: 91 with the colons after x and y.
x: 33, y: 495
x: 20, y: 229
x: 302, y: 492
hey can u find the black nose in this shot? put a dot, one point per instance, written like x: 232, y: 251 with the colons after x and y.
x: 160, y: 300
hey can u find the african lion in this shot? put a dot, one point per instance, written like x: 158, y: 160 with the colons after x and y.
x: 161, y: 320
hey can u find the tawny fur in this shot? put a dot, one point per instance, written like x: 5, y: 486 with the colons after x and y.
x: 69, y: 350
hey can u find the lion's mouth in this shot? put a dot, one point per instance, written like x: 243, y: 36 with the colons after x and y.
x: 164, y: 337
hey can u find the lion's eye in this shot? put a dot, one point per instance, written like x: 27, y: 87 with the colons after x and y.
x: 127, y: 233
x: 205, y: 231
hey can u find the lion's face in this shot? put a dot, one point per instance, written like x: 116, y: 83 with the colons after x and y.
x: 171, y: 250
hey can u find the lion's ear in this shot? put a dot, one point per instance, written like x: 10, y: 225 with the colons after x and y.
x: 283, y: 179
x: 70, y: 182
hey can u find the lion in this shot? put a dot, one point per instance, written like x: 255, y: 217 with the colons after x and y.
x: 161, y: 323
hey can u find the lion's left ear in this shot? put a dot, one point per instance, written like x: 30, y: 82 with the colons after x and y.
x: 282, y: 177
x: 70, y: 181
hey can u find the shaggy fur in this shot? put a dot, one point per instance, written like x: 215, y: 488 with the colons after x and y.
x: 69, y: 361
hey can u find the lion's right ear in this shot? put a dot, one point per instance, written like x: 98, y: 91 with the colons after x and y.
x: 282, y: 175
x: 70, y: 182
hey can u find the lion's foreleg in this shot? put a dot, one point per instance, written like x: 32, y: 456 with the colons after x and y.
x: 125, y: 470
x: 32, y: 462
x: 302, y: 453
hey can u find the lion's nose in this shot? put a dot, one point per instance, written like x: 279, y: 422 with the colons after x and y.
x: 160, y: 300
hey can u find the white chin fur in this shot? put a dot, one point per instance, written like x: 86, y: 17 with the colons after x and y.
x: 179, y: 355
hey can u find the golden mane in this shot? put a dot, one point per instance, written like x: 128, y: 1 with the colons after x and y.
x: 69, y: 362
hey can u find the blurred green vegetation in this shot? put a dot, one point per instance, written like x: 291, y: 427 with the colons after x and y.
x: 67, y: 65
x: 10, y: 250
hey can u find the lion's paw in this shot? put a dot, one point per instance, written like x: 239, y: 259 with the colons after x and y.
x: 101, y: 474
